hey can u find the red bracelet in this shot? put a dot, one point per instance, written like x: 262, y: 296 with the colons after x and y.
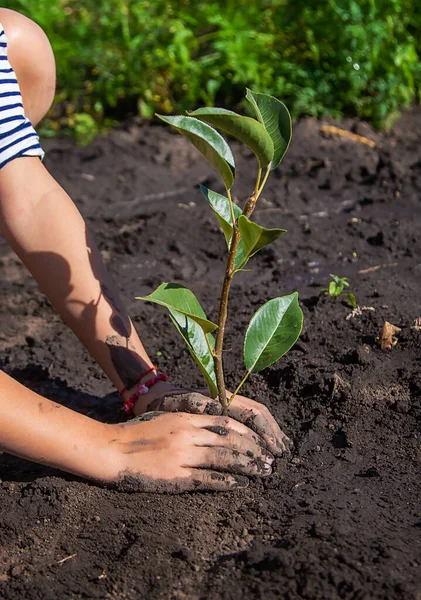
x: 143, y: 389
x: 141, y: 376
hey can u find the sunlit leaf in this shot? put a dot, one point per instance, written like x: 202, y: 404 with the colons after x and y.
x: 209, y: 142
x: 177, y: 297
x: 253, y: 238
x: 221, y: 208
x: 272, y: 331
x: 194, y: 337
x: 275, y: 116
x: 249, y: 131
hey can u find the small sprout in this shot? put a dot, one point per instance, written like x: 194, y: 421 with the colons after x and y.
x: 159, y: 353
x: 336, y: 288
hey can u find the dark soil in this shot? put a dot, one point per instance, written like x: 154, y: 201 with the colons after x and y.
x: 342, y: 519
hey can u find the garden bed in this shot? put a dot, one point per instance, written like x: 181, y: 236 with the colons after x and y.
x: 342, y: 519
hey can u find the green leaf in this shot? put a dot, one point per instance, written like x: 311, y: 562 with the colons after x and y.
x: 272, y: 331
x: 253, y: 238
x: 220, y: 206
x: 209, y: 142
x: 275, y: 116
x: 337, y: 286
x: 341, y: 282
x: 352, y: 300
x: 333, y: 289
x: 194, y: 337
x: 177, y: 297
x: 249, y: 131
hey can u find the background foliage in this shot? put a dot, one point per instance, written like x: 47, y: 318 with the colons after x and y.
x: 320, y: 57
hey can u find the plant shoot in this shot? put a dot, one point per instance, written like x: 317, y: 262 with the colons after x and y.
x: 336, y: 288
x: 276, y: 325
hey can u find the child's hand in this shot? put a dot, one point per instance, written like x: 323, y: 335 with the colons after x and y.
x: 161, y: 452
x: 253, y: 414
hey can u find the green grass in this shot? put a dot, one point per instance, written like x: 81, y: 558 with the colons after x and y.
x: 336, y: 58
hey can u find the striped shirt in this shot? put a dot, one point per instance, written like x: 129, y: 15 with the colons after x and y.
x: 17, y: 136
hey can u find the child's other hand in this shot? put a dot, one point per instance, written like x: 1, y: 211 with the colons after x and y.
x: 162, y: 452
x: 252, y: 414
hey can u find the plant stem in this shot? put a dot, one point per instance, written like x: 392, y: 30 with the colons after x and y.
x: 259, y: 176
x: 251, y: 203
x: 248, y: 209
x: 240, y: 385
x: 229, y: 274
x: 222, y: 319
x: 268, y: 168
x: 231, y: 207
x: 208, y: 344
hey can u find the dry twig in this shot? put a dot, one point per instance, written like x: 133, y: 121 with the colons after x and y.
x: 343, y: 133
x: 376, y: 268
x: 63, y: 560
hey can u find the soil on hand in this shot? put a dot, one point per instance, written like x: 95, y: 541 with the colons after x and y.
x: 342, y: 518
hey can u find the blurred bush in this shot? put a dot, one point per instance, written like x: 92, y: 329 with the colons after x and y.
x: 321, y: 57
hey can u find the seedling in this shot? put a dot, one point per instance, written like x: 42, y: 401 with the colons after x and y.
x: 276, y: 325
x: 336, y: 288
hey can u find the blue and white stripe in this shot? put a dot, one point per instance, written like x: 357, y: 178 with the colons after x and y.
x: 17, y: 136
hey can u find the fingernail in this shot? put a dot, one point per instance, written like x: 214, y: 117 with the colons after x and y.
x: 267, y: 467
x: 268, y: 456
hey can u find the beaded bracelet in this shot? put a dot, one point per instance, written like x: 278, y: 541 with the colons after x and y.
x: 142, y: 389
x: 141, y: 376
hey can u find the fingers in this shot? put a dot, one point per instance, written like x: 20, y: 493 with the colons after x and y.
x: 220, y: 424
x: 258, y: 418
x: 221, y: 436
x: 252, y: 414
x: 224, y: 459
x: 228, y: 445
x: 251, y: 420
x: 226, y: 426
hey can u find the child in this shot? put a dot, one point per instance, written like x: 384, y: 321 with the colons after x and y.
x: 169, y: 449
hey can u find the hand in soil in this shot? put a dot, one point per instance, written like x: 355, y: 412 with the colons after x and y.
x: 161, y: 452
x: 252, y: 414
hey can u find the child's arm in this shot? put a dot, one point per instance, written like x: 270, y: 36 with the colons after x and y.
x: 45, y: 432
x: 46, y: 230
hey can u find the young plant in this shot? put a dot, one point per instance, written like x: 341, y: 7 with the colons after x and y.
x: 276, y: 325
x: 336, y: 288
